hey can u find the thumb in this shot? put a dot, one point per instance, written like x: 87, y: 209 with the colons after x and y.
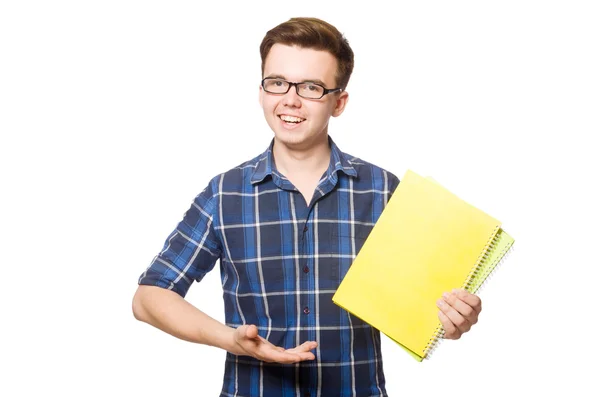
x: 248, y: 331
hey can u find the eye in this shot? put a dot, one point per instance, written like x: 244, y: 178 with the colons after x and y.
x: 275, y: 83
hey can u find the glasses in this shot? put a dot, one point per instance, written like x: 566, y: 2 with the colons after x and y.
x: 307, y: 90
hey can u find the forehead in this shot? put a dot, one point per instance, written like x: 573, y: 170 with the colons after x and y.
x: 300, y: 64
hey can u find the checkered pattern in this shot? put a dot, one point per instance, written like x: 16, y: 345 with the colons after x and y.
x: 281, y: 261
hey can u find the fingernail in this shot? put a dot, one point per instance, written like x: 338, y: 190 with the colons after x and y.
x: 446, y: 295
x: 440, y: 303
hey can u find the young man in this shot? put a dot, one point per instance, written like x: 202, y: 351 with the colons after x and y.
x: 286, y: 226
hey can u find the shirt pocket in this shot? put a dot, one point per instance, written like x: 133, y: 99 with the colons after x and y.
x: 339, y: 251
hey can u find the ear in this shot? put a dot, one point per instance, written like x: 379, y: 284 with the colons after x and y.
x: 340, y: 104
x: 260, y: 96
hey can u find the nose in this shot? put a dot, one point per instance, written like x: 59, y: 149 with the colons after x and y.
x: 291, y: 98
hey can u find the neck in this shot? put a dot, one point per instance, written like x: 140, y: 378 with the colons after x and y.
x: 309, y: 161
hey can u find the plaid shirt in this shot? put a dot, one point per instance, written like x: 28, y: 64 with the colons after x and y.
x: 281, y: 261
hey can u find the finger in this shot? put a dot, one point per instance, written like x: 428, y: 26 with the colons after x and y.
x: 455, y: 317
x: 251, y: 331
x: 285, y: 357
x: 450, y: 331
x: 472, y: 300
x: 296, y: 354
x: 264, y: 350
x: 301, y: 355
x: 461, y: 307
x: 305, y: 347
x: 240, y: 333
x: 247, y: 338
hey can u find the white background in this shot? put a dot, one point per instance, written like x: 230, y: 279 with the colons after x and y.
x: 115, y: 114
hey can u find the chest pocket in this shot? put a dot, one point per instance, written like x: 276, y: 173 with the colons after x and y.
x: 339, y: 250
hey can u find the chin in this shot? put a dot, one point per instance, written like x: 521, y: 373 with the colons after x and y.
x: 291, y: 137
x: 299, y: 138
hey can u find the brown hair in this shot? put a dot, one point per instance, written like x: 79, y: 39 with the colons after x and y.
x: 315, y: 34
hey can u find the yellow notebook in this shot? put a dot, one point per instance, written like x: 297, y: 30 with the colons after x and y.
x: 427, y: 241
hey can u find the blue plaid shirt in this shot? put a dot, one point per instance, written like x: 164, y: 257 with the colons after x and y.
x: 281, y: 261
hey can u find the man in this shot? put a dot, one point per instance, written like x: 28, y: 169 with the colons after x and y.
x: 286, y: 226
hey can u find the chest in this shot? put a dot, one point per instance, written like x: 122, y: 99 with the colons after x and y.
x: 277, y: 221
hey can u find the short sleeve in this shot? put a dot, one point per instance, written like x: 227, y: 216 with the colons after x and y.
x: 190, y: 251
x: 392, y: 183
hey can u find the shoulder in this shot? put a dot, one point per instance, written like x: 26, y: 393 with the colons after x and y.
x: 369, y: 173
x: 238, y: 178
x: 235, y: 180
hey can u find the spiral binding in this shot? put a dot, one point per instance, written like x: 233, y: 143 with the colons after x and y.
x: 438, y: 334
x: 475, y: 271
x: 507, y: 252
x: 434, y: 342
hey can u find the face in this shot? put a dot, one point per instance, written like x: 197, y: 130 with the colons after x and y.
x: 297, y: 122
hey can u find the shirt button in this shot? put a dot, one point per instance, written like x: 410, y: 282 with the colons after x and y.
x: 306, y: 269
x: 305, y: 229
x: 306, y: 310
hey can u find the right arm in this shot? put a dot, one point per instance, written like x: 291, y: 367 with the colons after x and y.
x: 171, y: 313
x: 189, y: 253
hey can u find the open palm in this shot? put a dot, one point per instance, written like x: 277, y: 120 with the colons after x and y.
x: 251, y: 344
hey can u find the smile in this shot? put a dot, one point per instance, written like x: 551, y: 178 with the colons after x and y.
x: 291, y: 119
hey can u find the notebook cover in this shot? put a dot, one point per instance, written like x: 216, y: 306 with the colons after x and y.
x: 426, y: 242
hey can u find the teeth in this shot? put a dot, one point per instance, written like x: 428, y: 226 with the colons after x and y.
x: 291, y: 119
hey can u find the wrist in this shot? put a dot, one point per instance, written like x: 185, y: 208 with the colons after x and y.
x: 229, y: 341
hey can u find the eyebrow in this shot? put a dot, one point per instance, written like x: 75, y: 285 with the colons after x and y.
x: 279, y: 76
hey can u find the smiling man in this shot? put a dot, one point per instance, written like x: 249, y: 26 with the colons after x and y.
x: 285, y: 227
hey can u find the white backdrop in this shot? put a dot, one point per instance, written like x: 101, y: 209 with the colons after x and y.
x: 114, y: 115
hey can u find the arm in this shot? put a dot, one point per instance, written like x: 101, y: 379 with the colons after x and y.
x: 169, y: 312
x: 190, y: 252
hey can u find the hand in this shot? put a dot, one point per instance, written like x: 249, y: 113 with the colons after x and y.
x: 247, y: 342
x: 459, y: 311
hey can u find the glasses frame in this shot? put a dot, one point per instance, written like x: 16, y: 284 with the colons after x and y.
x: 290, y: 84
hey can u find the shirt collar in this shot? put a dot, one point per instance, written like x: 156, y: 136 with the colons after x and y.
x: 338, y: 161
